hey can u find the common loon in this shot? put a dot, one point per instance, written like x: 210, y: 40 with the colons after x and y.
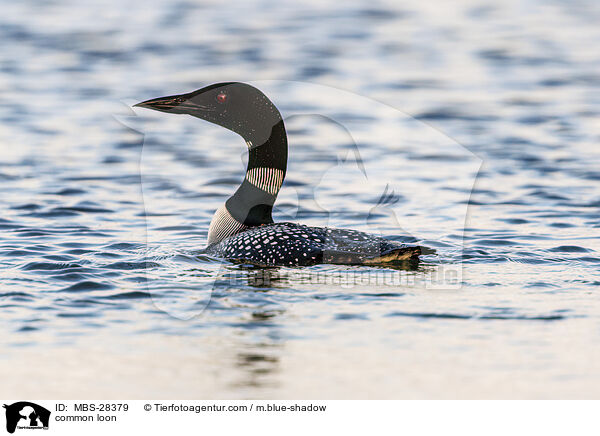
x: 242, y: 230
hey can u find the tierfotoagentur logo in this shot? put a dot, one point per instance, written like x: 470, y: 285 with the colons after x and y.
x: 24, y: 415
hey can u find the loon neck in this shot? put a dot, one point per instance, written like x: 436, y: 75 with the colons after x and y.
x: 252, y: 204
x: 270, y: 154
x: 253, y: 201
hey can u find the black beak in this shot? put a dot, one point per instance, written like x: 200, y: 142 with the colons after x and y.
x: 175, y: 104
x: 164, y: 104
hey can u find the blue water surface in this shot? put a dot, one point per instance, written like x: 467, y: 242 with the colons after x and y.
x: 477, y: 120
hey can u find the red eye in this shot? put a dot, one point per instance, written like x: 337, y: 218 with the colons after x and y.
x: 222, y: 97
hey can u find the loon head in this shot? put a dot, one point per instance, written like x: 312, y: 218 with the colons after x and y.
x: 236, y: 106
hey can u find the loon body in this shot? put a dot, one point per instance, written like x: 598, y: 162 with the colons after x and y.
x: 243, y: 230
x: 296, y: 244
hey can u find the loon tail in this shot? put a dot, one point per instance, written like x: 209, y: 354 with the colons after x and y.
x: 395, y: 255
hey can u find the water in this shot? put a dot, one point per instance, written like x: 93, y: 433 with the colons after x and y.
x: 103, y: 212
